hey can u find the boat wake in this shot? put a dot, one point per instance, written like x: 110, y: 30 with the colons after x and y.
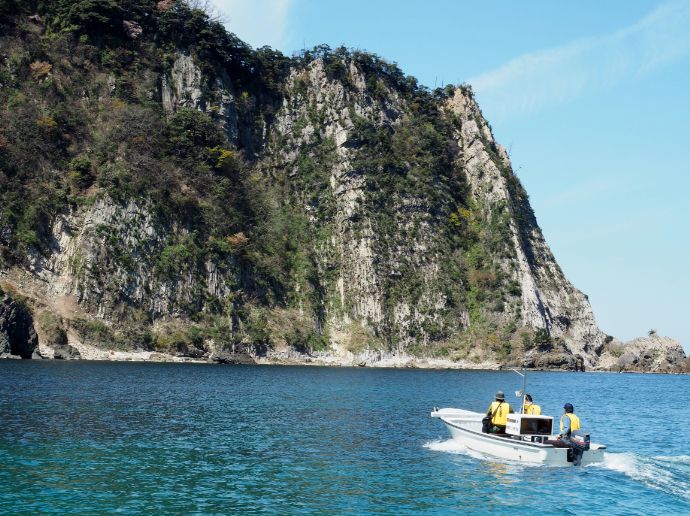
x: 449, y: 446
x: 667, y: 474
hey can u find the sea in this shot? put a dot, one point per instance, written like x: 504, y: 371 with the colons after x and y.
x: 155, y: 438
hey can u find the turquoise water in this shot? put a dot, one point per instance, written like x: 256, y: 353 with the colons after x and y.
x: 79, y: 437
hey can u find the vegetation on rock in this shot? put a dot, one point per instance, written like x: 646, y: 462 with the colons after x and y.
x: 202, y: 195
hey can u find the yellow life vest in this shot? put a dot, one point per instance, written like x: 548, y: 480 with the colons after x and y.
x: 574, y: 422
x: 532, y: 410
x: 502, y: 409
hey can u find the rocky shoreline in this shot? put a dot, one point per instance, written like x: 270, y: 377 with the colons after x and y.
x: 369, y: 359
x: 20, y: 338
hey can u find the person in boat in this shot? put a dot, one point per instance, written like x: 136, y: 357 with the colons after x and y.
x: 569, y: 421
x: 498, y: 411
x: 530, y: 407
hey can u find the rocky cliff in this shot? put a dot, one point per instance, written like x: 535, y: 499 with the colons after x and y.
x: 652, y: 353
x: 17, y: 334
x: 167, y: 188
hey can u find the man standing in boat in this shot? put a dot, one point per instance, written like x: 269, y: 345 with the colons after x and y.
x: 498, y: 412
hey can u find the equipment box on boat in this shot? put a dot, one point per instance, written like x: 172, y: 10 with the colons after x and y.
x: 524, y: 424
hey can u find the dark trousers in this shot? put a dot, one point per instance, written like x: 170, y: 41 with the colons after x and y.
x: 574, y: 451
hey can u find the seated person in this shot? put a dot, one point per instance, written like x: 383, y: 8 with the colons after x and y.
x: 569, y: 424
x: 531, y: 408
x: 498, y: 411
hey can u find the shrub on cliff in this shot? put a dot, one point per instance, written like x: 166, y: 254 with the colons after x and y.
x: 86, y: 16
x: 190, y: 132
x: 53, y: 330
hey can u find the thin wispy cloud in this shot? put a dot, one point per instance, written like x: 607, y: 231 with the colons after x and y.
x: 258, y: 22
x: 549, y: 77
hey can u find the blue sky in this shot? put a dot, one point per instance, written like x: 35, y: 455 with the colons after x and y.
x: 591, y: 100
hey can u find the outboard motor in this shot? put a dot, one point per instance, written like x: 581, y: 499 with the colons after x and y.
x: 580, y: 439
x: 579, y: 443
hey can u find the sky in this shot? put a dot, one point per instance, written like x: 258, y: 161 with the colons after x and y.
x: 590, y: 99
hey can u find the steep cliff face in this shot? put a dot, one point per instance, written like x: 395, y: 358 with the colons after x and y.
x: 109, y: 254
x: 216, y: 199
x: 371, y: 261
x: 372, y: 242
x: 547, y: 299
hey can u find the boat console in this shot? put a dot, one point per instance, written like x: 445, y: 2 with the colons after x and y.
x: 526, y: 427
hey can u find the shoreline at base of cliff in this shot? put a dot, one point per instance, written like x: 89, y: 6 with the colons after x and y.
x: 295, y: 359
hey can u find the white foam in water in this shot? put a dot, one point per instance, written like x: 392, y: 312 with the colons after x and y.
x: 621, y: 462
x: 450, y: 446
x: 453, y: 446
x: 667, y: 474
x: 680, y: 459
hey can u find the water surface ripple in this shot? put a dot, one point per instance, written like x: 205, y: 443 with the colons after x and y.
x: 87, y: 438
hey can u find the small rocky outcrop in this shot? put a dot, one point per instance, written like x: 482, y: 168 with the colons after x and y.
x: 132, y: 29
x: 66, y: 352
x: 653, y: 353
x: 17, y: 333
x: 54, y: 337
x: 224, y: 357
x: 555, y: 360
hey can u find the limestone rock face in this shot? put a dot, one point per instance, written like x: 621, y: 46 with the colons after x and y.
x: 101, y: 272
x: 316, y: 109
x: 182, y: 88
x: 17, y: 334
x: 185, y: 86
x: 548, y: 299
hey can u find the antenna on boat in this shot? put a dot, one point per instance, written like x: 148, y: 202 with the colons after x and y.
x: 523, y: 392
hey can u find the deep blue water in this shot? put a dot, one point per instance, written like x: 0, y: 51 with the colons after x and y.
x: 80, y: 437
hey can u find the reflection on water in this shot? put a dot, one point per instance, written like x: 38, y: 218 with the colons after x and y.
x: 501, y: 472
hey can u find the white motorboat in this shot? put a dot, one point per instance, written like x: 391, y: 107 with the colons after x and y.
x: 526, y: 439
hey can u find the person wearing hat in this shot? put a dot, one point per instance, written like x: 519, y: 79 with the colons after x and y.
x: 498, y: 411
x: 569, y: 421
x: 531, y: 408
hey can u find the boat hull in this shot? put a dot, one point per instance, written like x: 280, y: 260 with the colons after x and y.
x: 465, y: 427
